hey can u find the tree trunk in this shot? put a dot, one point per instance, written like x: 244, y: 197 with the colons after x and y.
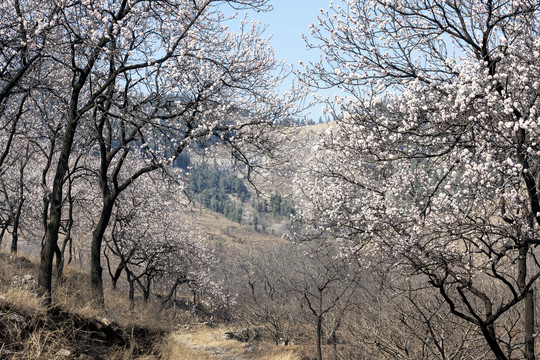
x: 55, y: 207
x: 116, y: 276
x: 47, y: 253
x: 489, y: 335
x: 528, y: 318
x: 15, y: 235
x: 529, y: 326
x: 319, y: 338
x: 2, y: 232
x: 131, y: 291
x: 59, y: 261
x: 334, y: 343
x: 60, y: 264
x: 96, y: 271
x: 146, y: 290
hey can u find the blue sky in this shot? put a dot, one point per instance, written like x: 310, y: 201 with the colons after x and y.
x: 286, y: 23
x: 289, y: 20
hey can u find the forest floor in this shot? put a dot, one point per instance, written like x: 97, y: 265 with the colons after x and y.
x: 76, y: 329
x: 211, y: 341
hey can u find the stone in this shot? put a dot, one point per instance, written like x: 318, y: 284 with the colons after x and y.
x: 85, y: 357
x: 64, y: 352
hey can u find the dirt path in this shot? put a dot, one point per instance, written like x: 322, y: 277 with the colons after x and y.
x: 210, y: 342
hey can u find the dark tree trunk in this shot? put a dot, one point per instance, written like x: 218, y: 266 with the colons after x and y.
x: 319, y: 338
x: 131, y: 292
x: 2, y: 232
x: 528, y: 318
x: 55, y: 207
x: 489, y: 335
x: 47, y: 253
x: 59, y: 261
x: 116, y: 276
x: 60, y: 264
x: 529, y: 326
x: 15, y: 234
x: 146, y: 291
x: 96, y: 270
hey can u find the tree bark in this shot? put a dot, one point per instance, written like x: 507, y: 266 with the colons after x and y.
x: 116, y: 276
x: 489, y: 335
x: 96, y: 270
x: 319, y: 338
x: 55, y: 207
x: 529, y: 326
x: 131, y: 291
x: 528, y: 317
x: 15, y: 234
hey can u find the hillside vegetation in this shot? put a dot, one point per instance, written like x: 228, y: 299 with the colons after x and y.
x: 77, y: 328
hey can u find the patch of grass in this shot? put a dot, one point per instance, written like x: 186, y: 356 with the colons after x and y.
x: 171, y: 349
x: 76, y: 325
x: 207, y: 340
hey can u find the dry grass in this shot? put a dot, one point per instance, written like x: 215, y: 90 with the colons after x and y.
x: 209, y: 343
x: 232, y: 236
x: 78, y: 326
x: 171, y: 349
x: 75, y: 325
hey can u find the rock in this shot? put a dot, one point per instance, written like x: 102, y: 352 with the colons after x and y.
x: 16, y: 318
x: 64, y: 352
x: 244, y: 335
x: 85, y: 357
x: 12, y: 323
x: 251, y: 349
x: 27, y: 281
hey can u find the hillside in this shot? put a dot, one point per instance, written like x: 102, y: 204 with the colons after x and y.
x: 229, y: 236
x: 75, y: 328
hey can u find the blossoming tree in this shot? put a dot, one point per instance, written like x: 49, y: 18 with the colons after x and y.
x: 434, y: 155
x: 155, y: 76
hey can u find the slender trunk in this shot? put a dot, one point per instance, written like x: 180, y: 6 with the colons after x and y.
x: 319, y: 338
x: 15, y: 235
x: 116, y: 276
x: 489, y: 335
x: 17, y: 217
x: 59, y: 261
x: 173, y: 292
x: 47, y: 253
x: 529, y: 326
x: 55, y: 208
x: 528, y: 318
x: 2, y: 232
x: 96, y: 270
x: 334, y: 342
x: 131, y: 291
x: 146, y: 291
x: 70, y: 258
x: 60, y: 264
